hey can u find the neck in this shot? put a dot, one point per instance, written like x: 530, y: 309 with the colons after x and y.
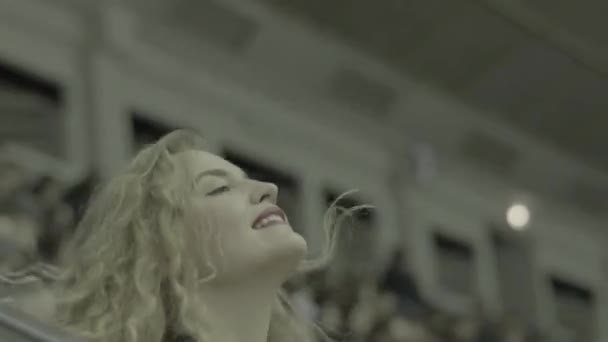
x: 238, y: 313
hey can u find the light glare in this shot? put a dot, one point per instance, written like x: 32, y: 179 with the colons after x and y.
x: 518, y: 216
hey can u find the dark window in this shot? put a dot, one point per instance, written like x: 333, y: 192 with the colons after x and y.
x: 514, y: 264
x: 575, y: 308
x: 30, y: 111
x: 146, y: 131
x: 21, y: 80
x: 455, y: 264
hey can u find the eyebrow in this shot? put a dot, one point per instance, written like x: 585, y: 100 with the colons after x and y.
x: 217, y: 173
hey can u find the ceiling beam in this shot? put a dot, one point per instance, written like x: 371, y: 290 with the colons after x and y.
x: 581, y: 52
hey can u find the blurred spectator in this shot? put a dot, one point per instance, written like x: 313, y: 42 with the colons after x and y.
x: 403, y: 329
x: 31, y: 215
x: 371, y: 310
x: 304, y: 304
x: 12, y: 177
x: 77, y: 195
x: 465, y: 329
x: 361, y: 320
x: 331, y: 318
x: 13, y: 194
x: 54, y: 215
x: 35, y: 218
x: 399, y: 281
x: 486, y: 329
x: 513, y: 330
x: 23, y: 279
x: 17, y: 242
x: 380, y: 332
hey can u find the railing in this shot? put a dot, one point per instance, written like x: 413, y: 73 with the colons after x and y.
x: 16, y: 326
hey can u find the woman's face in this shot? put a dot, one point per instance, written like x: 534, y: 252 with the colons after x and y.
x: 249, y: 234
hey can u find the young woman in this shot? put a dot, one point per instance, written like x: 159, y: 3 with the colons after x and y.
x: 183, y: 246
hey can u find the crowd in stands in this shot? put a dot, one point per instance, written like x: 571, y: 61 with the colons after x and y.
x: 391, y: 309
x: 37, y: 212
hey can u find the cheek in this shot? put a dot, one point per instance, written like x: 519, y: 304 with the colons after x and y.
x: 227, y: 214
x: 224, y: 226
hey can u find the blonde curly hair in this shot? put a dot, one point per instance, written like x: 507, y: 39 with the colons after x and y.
x: 127, y: 275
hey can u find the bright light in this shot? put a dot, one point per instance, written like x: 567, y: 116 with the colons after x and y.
x: 518, y: 216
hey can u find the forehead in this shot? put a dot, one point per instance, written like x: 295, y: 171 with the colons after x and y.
x: 200, y: 161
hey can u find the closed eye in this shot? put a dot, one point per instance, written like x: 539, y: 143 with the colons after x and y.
x: 218, y: 190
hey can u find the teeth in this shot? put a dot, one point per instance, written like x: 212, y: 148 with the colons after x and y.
x: 269, y: 220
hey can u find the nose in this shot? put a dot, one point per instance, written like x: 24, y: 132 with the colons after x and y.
x: 264, y: 192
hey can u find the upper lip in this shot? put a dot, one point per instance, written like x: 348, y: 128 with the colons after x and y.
x: 274, y: 210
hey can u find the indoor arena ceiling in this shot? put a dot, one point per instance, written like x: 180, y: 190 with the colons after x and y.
x: 539, y: 65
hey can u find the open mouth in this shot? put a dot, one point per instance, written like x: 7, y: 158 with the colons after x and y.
x: 270, y: 217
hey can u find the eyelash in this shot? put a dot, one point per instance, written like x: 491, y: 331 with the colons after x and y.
x: 218, y: 190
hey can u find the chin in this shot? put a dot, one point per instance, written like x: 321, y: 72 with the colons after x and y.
x: 299, y: 245
x: 290, y: 242
x: 275, y: 261
x: 287, y: 249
